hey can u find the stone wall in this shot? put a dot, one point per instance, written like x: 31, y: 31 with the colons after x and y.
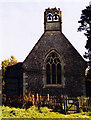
x: 74, y: 66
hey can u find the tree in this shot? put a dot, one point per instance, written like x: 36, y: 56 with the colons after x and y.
x: 5, y: 64
x: 86, y: 26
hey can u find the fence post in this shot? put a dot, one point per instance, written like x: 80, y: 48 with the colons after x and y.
x: 37, y: 97
x: 64, y: 104
x: 55, y: 100
x: 61, y: 101
x: 48, y: 97
x: 39, y: 101
x: 78, y: 105
x: 33, y: 99
x: 66, y: 107
x: 67, y: 102
x: 40, y: 98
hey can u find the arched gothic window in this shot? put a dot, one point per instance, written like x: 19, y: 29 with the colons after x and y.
x: 53, y: 69
x: 49, y: 17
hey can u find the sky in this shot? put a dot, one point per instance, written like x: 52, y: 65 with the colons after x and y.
x: 22, y: 24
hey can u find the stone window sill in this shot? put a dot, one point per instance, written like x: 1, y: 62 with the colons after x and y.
x: 53, y: 85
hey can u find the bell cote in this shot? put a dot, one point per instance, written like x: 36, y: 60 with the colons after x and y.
x: 52, y: 19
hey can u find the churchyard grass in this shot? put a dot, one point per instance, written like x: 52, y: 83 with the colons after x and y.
x: 33, y: 112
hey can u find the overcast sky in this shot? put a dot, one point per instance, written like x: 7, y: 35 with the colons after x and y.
x: 22, y: 24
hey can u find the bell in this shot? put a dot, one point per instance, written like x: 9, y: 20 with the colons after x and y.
x: 49, y: 17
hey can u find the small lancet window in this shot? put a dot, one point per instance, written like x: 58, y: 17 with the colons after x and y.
x: 56, y: 16
x: 49, y: 17
x: 53, y: 69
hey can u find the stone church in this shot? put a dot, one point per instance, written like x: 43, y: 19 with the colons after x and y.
x: 52, y: 67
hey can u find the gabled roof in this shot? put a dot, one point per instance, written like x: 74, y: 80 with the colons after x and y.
x: 48, y: 41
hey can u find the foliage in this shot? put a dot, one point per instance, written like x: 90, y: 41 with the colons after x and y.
x: 45, y: 110
x: 20, y: 101
x: 5, y: 64
x: 86, y: 26
x: 86, y: 21
x: 33, y: 112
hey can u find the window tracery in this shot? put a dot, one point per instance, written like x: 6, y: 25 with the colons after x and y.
x: 53, y: 69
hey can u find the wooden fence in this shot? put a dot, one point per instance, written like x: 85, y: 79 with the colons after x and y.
x: 58, y: 103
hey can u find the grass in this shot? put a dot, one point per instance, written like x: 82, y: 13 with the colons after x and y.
x: 33, y: 112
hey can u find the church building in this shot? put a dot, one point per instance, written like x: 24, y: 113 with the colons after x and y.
x: 52, y: 67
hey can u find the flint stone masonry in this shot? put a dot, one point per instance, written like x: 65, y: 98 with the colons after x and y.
x: 74, y: 66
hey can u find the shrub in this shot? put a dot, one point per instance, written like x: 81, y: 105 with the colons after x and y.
x: 45, y: 110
